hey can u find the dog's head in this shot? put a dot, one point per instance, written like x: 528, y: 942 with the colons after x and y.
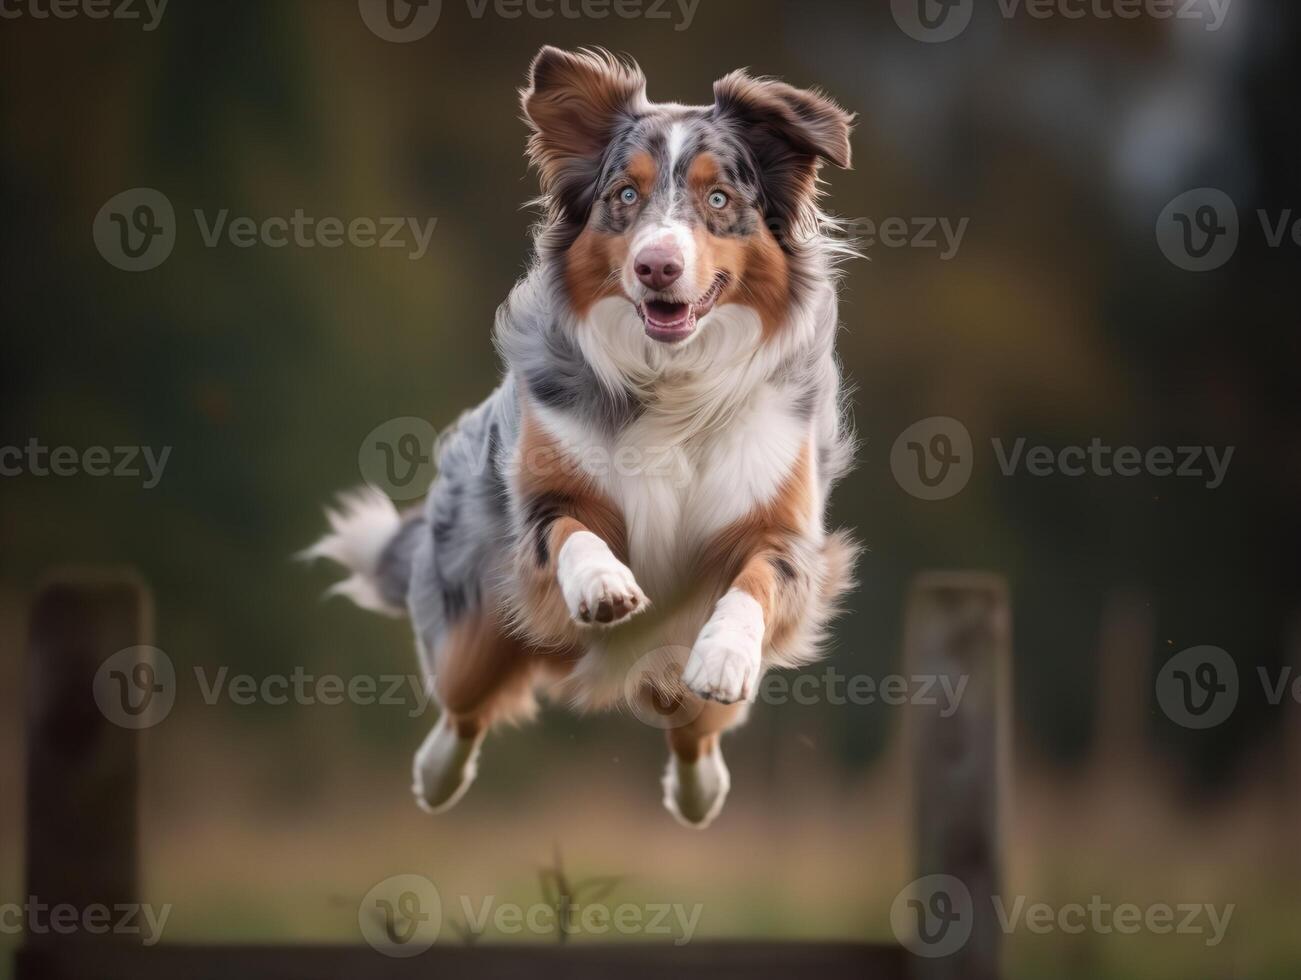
x: 678, y: 210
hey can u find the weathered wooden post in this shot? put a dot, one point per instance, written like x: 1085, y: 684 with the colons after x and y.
x: 958, y: 631
x: 82, y: 768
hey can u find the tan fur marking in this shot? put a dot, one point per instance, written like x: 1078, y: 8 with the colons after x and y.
x: 642, y: 172
x: 700, y: 736
x: 592, y: 267
x: 758, y: 579
x: 483, y: 674
x: 703, y: 173
x: 547, y: 470
x: 742, y: 555
x: 758, y: 270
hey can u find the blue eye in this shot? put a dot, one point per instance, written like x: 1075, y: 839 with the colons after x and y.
x: 628, y: 195
x: 718, y: 200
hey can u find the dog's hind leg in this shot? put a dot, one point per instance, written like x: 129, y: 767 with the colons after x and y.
x: 481, y: 675
x: 696, y: 780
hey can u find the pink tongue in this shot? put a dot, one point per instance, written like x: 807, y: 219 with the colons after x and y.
x: 667, y: 314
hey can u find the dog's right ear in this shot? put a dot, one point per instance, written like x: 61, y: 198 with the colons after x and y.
x: 574, y: 103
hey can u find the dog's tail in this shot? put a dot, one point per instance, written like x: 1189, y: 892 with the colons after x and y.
x: 375, y: 543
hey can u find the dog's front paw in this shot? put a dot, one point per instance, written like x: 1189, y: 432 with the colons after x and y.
x: 726, y: 662
x: 598, y: 588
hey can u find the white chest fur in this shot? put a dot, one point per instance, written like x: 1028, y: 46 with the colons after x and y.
x: 677, y: 488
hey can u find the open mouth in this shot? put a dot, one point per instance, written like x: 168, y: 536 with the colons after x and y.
x: 670, y: 322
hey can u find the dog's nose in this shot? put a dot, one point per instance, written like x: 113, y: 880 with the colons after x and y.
x: 659, y: 266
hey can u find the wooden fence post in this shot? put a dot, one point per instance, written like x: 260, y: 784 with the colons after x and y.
x: 82, y: 768
x: 958, y: 630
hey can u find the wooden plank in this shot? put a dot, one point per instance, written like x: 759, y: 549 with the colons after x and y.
x: 958, y: 630
x: 707, y: 961
x: 82, y: 769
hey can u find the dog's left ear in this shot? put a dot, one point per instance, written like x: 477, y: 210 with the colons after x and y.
x: 574, y: 103
x: 790, y: 131
x: 779, y: 118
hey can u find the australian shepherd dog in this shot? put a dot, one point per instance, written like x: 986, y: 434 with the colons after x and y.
x: 636, y: 516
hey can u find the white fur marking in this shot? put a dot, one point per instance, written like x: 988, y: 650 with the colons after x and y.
x: 694, y: 792
x: 680, y: 234
x: 360, y: 529
x: 727, y: 660
x: 677, y: 141
x: 590, y: 576
x: 444, y: 767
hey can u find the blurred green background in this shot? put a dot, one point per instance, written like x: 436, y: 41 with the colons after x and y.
x: 1058, y: 320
